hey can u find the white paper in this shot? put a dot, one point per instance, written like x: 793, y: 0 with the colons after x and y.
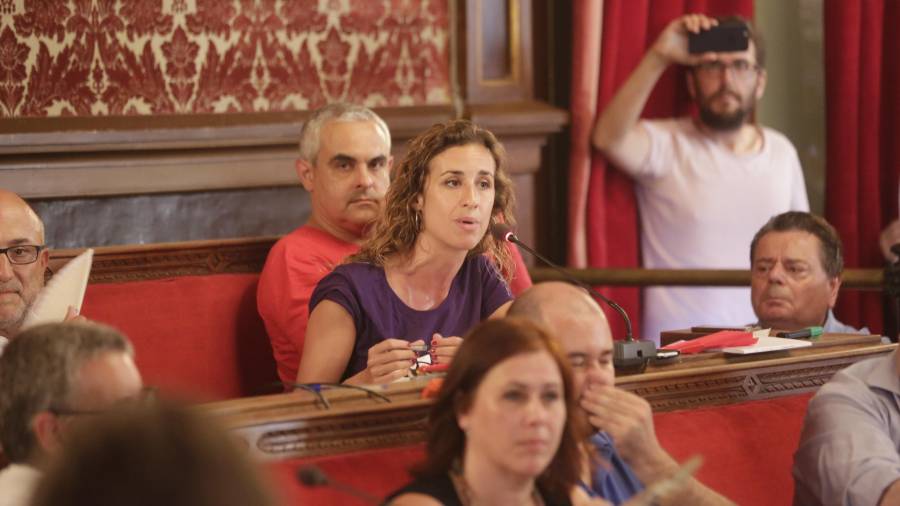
x: 66, y: 288
x: 765, y: 344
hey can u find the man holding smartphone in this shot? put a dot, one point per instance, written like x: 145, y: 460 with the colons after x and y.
x: 704, y: 184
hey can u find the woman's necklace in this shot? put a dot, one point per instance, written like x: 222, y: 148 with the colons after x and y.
x: 467, y: 497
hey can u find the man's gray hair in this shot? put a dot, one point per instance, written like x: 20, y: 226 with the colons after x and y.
x: 338, y: 111
x: 38, y: 370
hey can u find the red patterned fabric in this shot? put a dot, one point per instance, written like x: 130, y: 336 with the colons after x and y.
x: 194, y: 336
x: 105, y: 57
x: 603, y: 225
x: 862, y: 87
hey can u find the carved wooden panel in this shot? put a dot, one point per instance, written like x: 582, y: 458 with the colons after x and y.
x: 296, y: 424
x: 338, y: 434
x: 701, y: 386
x: 120, y: 264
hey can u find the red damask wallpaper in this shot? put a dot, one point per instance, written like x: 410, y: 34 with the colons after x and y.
x: 110, y: 57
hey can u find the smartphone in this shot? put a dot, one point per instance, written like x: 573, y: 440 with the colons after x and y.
x: 723, y: 38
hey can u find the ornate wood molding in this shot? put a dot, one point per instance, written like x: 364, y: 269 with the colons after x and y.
x: 120, y: 264
x: 298, y: 425
x: 115, y: 264
x: 774, y: 375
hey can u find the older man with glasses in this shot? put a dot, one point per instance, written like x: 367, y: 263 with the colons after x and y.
x: 704, y: 185
x: 22, y: 263
x: 56, y: 376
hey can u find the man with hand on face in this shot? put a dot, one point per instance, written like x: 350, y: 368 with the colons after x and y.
x: 54, y: 376
x: 23, y: 260
x: 345, y: 163
x: 705, y: 184
x: 797, y: 262
x: 625, y: 439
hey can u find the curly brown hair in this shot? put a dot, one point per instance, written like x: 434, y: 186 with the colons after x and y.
x: 483, y: 348
x: 397, y: 229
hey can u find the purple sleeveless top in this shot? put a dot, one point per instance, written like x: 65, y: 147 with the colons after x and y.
x: 362, y: 289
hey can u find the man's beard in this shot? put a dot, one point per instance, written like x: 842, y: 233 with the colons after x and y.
x: 727, y: 122
x: 10, y: 324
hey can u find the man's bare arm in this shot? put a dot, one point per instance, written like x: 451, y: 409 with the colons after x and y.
x: 617, y: 132
x: 891, y: 496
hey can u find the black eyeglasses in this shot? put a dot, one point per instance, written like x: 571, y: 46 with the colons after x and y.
x: 22, y: 254
x: 741, y: 69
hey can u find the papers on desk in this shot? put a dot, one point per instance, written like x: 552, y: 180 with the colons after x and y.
x: 66, y: 288
x: 717, y: 341
x: 764, y: 344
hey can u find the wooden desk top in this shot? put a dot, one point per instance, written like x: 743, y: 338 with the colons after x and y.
x: 716, y: 378
x: 298, y: 424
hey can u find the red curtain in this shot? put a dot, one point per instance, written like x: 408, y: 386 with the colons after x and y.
x: 603, y: 222
x: 862, y: 92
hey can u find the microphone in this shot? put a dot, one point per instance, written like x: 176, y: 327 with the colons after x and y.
x: 626, y: 354
x: 312, y: 476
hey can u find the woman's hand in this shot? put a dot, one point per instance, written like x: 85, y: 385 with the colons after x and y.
x: 444, y: 348
x: 390, y: 360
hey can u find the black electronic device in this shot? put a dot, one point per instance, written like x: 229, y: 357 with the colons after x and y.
x: 312, y: 476
x: 629, y: 353
x: 726, y: 37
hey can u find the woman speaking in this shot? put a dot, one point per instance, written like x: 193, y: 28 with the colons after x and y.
x: 429, y: 272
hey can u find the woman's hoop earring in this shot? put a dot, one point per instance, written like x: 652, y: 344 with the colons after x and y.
x: 416, y: 218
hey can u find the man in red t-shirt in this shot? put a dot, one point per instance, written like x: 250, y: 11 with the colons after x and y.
x: 344, y: 164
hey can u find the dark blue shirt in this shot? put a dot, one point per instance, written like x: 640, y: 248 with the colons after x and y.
x: 613, y: 479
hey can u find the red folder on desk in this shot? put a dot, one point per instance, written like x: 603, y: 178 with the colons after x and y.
x: 721, y: 339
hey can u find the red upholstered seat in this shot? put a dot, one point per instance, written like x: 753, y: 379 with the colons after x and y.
x: 201, y: 336
x: 748, y: 447
x: 377, y: 472
x: 196, y: 336
x: 748, y: 450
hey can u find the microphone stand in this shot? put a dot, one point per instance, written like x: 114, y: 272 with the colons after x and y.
x: 312, y: 476
x: 629, y: 354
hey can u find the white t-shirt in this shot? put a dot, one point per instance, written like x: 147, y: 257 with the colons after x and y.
x: 700, y: 205
x: 17, y: 484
